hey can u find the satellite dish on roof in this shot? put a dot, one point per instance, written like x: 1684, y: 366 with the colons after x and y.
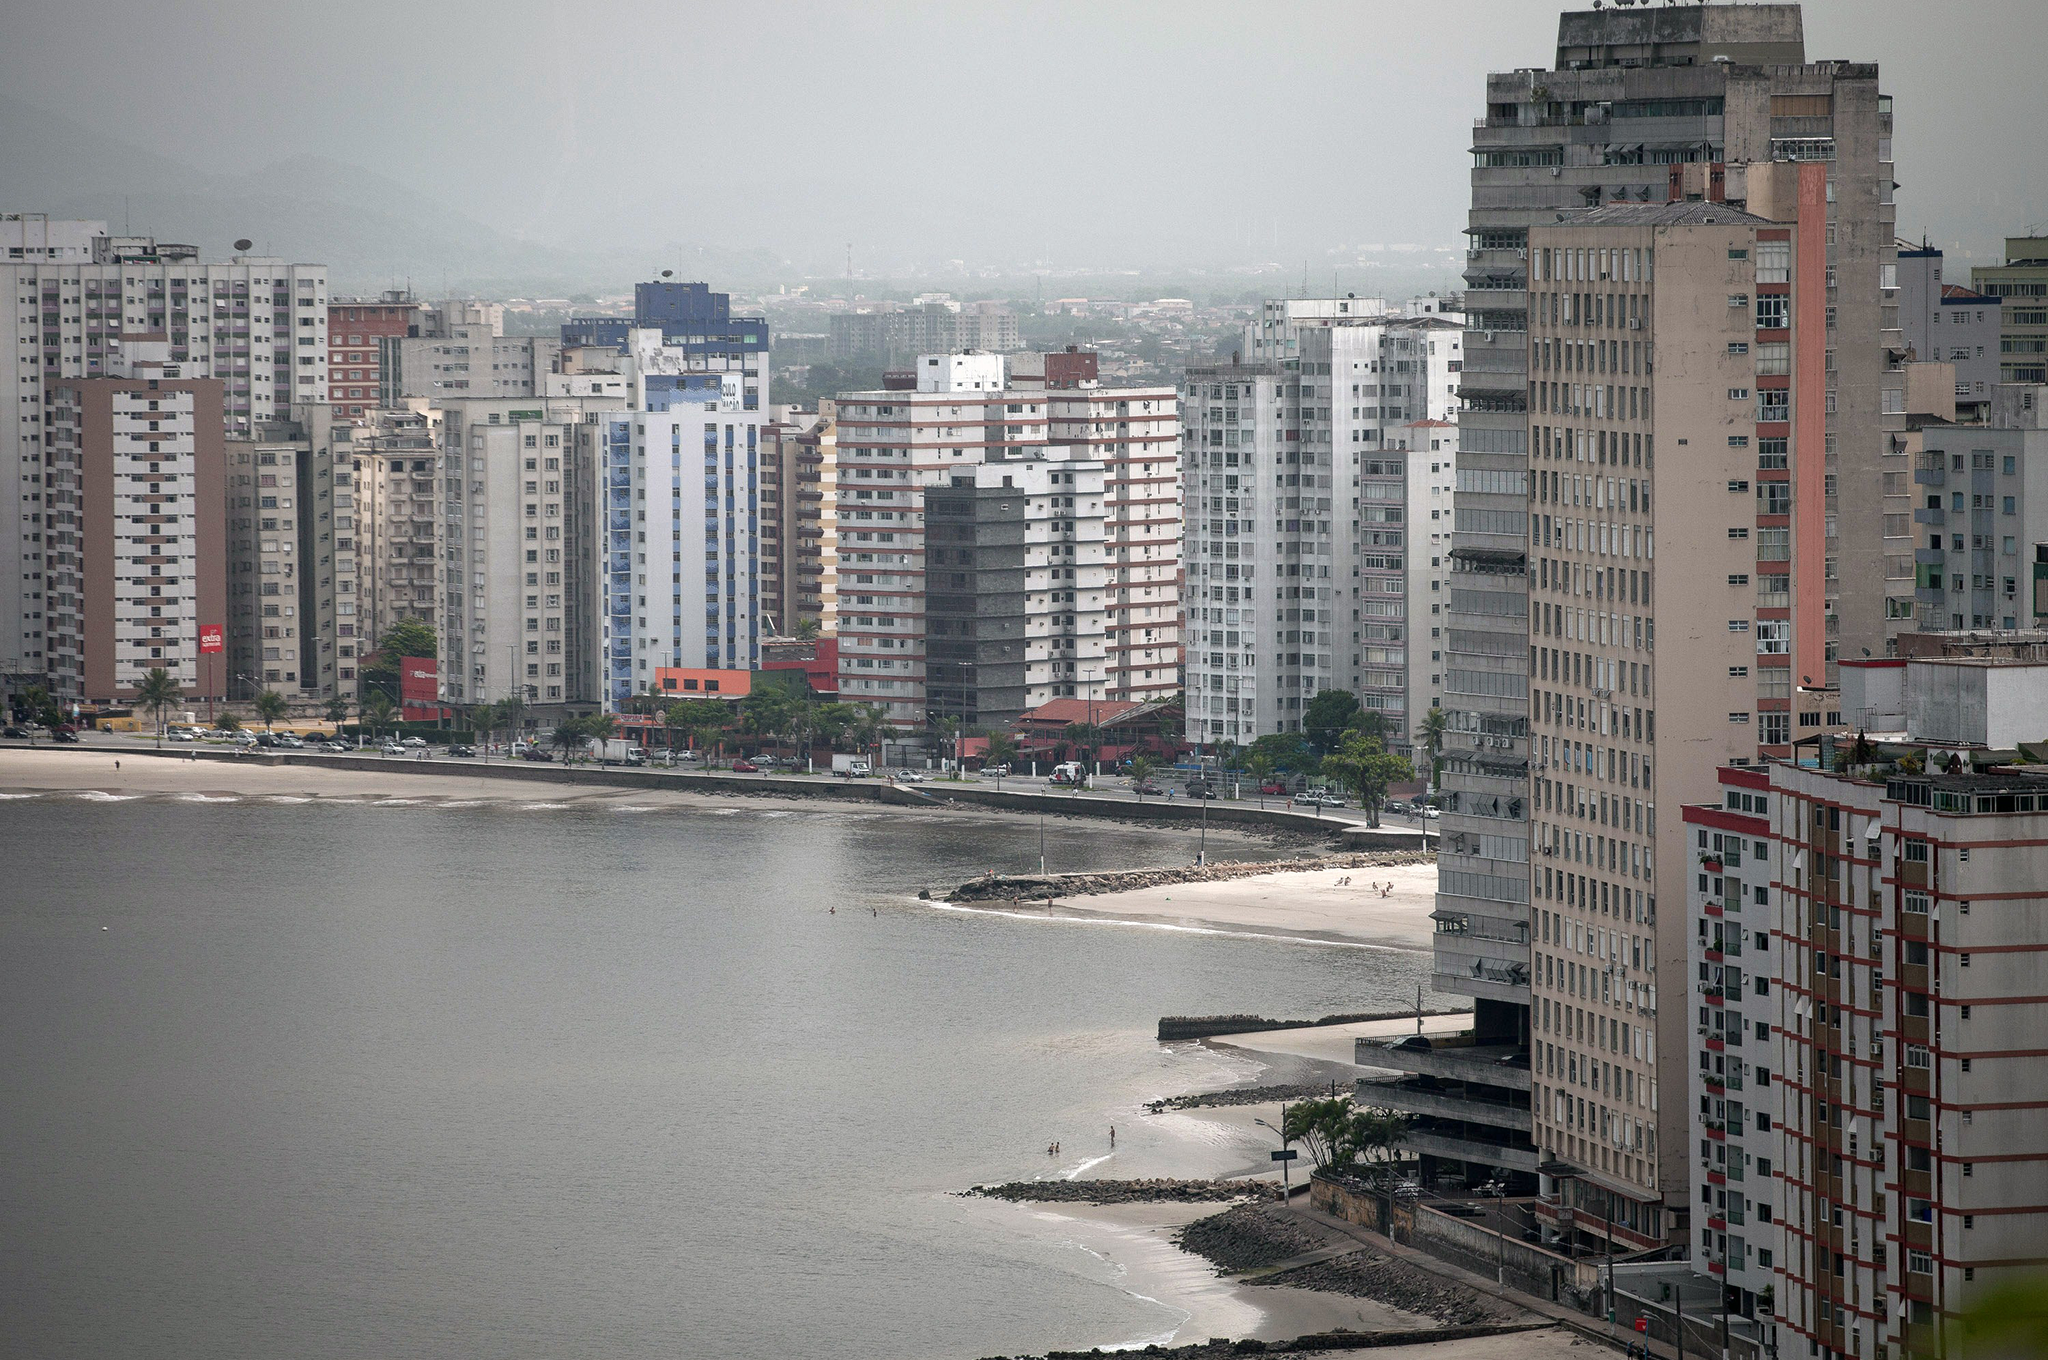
x: 668, y: 273
x: 243, y: 244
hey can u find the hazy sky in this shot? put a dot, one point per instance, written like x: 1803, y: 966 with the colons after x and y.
x: 1094, y: 133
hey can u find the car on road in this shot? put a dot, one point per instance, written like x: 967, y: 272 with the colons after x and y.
x: 1431, y: 813
x: 909, y: 776
x: 745, y: 767
x: 414, y: 742
x: 1201, y: 791
x: 392, y: 748
x: 1003, y: 770
x: 1273, y: 786
x: 12, y: 730
x: 337, y: 747
x: 291, y: 741
x: 1397, y: 806
x: 179, y: 734
x: 539, y: 753
x: 458, y: 749
x: 64, y: 734
x: 244, y: 739
x: 1147, y: 789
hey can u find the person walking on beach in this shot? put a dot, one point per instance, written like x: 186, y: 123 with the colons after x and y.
x: 1112, y: 1138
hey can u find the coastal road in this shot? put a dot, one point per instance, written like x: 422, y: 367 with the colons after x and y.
x: 1112, y: 790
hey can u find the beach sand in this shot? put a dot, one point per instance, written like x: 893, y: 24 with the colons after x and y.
x: 1308, y: 904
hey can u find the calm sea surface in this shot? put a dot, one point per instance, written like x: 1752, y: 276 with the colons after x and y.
x: 359, y: 1080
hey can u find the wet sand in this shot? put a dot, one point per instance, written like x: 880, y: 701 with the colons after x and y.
x: 1312, y: 904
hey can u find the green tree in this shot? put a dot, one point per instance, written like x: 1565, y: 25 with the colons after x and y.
x: 1260, y: 767
x: 1287, y: 750
x: 1430, y: 738
x: 947, y: 730
x: 158, y: 692
x: 337, y: 711
x: 1002, y: 750
x: 1362, y: 764
x: 806, y: 630
x: 407, y: 637
x: 1086, y: 739
x: 705, y: 720
x: 230, y: 723
x: 1318, y: 1125
x: 270, y: 706
x: 763, y: 714
x: 601, y: 726
x: 1328, y: 717
x: 512, y: 715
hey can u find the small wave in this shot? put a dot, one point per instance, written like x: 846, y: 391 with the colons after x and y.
x: 10, y: 796
x: 286, y: 798
x: 1084, y: 1166
x: 394, y: 802
x: 102, y: 796
x: 342, y: 802
x: 209, y: 798
x: 463, y: 802
x: 635, y: 809
x: 541, y: 807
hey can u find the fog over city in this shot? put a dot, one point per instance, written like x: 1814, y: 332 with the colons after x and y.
x: 531, y: 144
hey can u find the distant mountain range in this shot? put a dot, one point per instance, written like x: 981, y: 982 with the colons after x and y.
x: 371, y: 231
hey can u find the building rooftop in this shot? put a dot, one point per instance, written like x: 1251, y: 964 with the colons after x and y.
x: 1694, y: 213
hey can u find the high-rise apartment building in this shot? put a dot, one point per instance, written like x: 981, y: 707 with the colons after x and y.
x: 693, y: 321
x: 134, y: 544
x: 1432, y: 449
x: 356, y: 331
x: 1297, y: 517
x: 1692, y: 104
x: 1016, y: 570
x: 398, y: 524
x: 1864, y: 1089
x: 511, y: 623
x: 1985, y: 515
x: 799, y: 530
x: 2021, y: 286
x: 672, y: 534
x: 74, y: 298
x: 468, y: 361
x: 1945, y: 322
x: 1135, y: 434
x: 282, y: 562
x: 371, y: 459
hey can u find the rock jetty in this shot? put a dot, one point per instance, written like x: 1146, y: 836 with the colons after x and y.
x: 1041, y: 887
x: 1154, y: 1190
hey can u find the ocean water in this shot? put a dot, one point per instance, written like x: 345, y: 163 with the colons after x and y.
x: 308, y: 1079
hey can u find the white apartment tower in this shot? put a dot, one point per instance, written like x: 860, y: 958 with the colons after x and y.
x: 1299, y: 519
x: 73, y: 297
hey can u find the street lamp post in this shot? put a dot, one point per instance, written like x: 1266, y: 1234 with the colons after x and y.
x: 1498, y: 1188
x: 1285, y: 1156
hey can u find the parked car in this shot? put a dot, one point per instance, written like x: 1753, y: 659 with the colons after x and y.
x: 688, y: 757
x: 1397, y: 806
x: 1273, y: 786
x: 267, y: 740
x: 64, y: 734
x: 1320, y: 798
x: 1147, y: 789
x: 539, y: 753
x: 910, y: 776
x: 458, y: 749
x: 13, y: 730
x: 291, y: 741
x: 414, y: 742
x: 392, y: 748
x: 745, y: 767
x: 179, y: 734
x: 244, y: 739
x: 1431, y: 813
x: 338, y: 747
x: 1003, y: 770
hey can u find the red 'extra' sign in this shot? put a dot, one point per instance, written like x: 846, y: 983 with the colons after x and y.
x: 419, y: 681
x: 210, y: 640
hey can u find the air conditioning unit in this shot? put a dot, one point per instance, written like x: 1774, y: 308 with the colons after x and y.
x: 1635, y: 323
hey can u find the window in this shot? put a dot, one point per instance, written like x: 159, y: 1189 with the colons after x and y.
x: 1773, y: 313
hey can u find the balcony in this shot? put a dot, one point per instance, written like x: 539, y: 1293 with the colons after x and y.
x: 1933, y: 474
x: 1930, y: 514
x: 1465, y: 1104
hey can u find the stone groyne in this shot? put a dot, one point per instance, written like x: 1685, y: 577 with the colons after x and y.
x: 1045, y: 887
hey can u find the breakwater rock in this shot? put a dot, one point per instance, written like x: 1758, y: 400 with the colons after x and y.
x: 1204, y: 1026
x: 1249, y: 1238
x: 1154, y: 1190
x: 1316, y: 1343
x: 1240, y: 1095
x: 1043, y: 887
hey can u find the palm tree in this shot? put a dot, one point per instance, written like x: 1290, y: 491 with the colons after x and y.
x: 569, y: 734
x: 337, y: 711
x: 948, y: 730
x: 1141, y: 770
x: 230, y: 723
x: 1002, y: 750
x: 1260, y: 767
x: 512, y: 715
x: 807, y: 630
x: 1430, y: 737
x: 158, y: 692
x: 866, y: 728
x: 270, y: 706
x: 377, y: 710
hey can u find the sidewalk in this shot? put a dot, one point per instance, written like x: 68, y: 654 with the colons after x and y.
x: 1592, y: 1328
